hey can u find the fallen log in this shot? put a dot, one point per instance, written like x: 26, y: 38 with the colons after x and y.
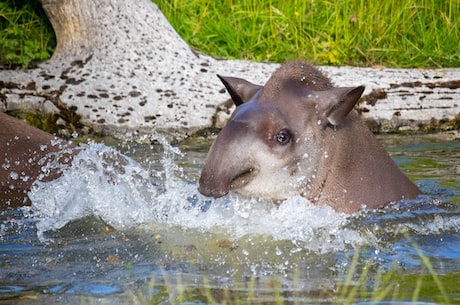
x: 120, y: 67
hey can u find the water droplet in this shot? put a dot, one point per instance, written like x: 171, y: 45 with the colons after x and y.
x: 278, y: 251
x: 14, y: 175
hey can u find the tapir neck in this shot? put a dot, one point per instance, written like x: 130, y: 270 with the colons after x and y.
x: 355, y: 170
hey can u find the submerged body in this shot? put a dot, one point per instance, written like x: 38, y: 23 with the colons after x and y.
x: 299, y: 135
x: 24, y: 153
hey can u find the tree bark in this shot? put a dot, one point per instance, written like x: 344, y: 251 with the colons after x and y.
x: 119, y: 66
x: 74, y: 25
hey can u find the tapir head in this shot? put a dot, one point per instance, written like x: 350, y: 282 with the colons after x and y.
x: 274, y: 142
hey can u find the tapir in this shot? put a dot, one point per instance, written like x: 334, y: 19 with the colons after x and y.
x: 300, y: 135
x: 24, y: 151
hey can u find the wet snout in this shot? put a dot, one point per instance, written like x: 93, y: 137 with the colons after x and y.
x: 221, y: 174
x: 212, y: 185
x: 228, y: 164
x: 216, y: 180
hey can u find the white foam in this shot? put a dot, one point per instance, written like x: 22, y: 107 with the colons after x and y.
x: 100, y: 181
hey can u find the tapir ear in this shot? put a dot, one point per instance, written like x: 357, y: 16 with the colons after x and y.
x: 342, y: 102
x: 239, y: 89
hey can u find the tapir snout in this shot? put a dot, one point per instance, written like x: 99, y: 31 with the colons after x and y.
x: 299, y: 135
x: 218, y: 181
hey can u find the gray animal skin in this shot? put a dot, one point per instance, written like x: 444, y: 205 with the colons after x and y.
x: 299, y: 135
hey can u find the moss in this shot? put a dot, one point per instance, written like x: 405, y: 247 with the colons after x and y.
x: 64, y: 124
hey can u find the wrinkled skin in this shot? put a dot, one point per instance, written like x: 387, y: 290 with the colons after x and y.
x: 299, y: 135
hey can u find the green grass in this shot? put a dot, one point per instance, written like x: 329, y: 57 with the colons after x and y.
x: 25, y: 33
x: 361, y: 284
x: 397, y: 33
x: 393, y: 33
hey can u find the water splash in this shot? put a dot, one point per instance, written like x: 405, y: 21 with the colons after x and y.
x: 99, y: 181
x: 103, y: 182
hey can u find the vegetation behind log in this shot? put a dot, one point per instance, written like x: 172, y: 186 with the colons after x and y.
x: 26, y: 34
x: 407, y: 33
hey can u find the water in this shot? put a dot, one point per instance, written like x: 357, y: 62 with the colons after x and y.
x: 131, y: 228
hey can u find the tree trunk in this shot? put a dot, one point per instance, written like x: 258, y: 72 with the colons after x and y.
x: 120, y: 66
x: 74, y: 25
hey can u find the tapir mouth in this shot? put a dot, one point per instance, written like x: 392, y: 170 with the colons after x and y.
x: 243, y: 178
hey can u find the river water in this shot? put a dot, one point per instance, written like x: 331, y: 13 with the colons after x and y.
x: 125, y: 224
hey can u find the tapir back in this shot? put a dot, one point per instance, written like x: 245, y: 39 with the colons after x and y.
x: 22, y: 146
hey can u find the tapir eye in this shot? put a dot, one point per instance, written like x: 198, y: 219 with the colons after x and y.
x: 283, y: 137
